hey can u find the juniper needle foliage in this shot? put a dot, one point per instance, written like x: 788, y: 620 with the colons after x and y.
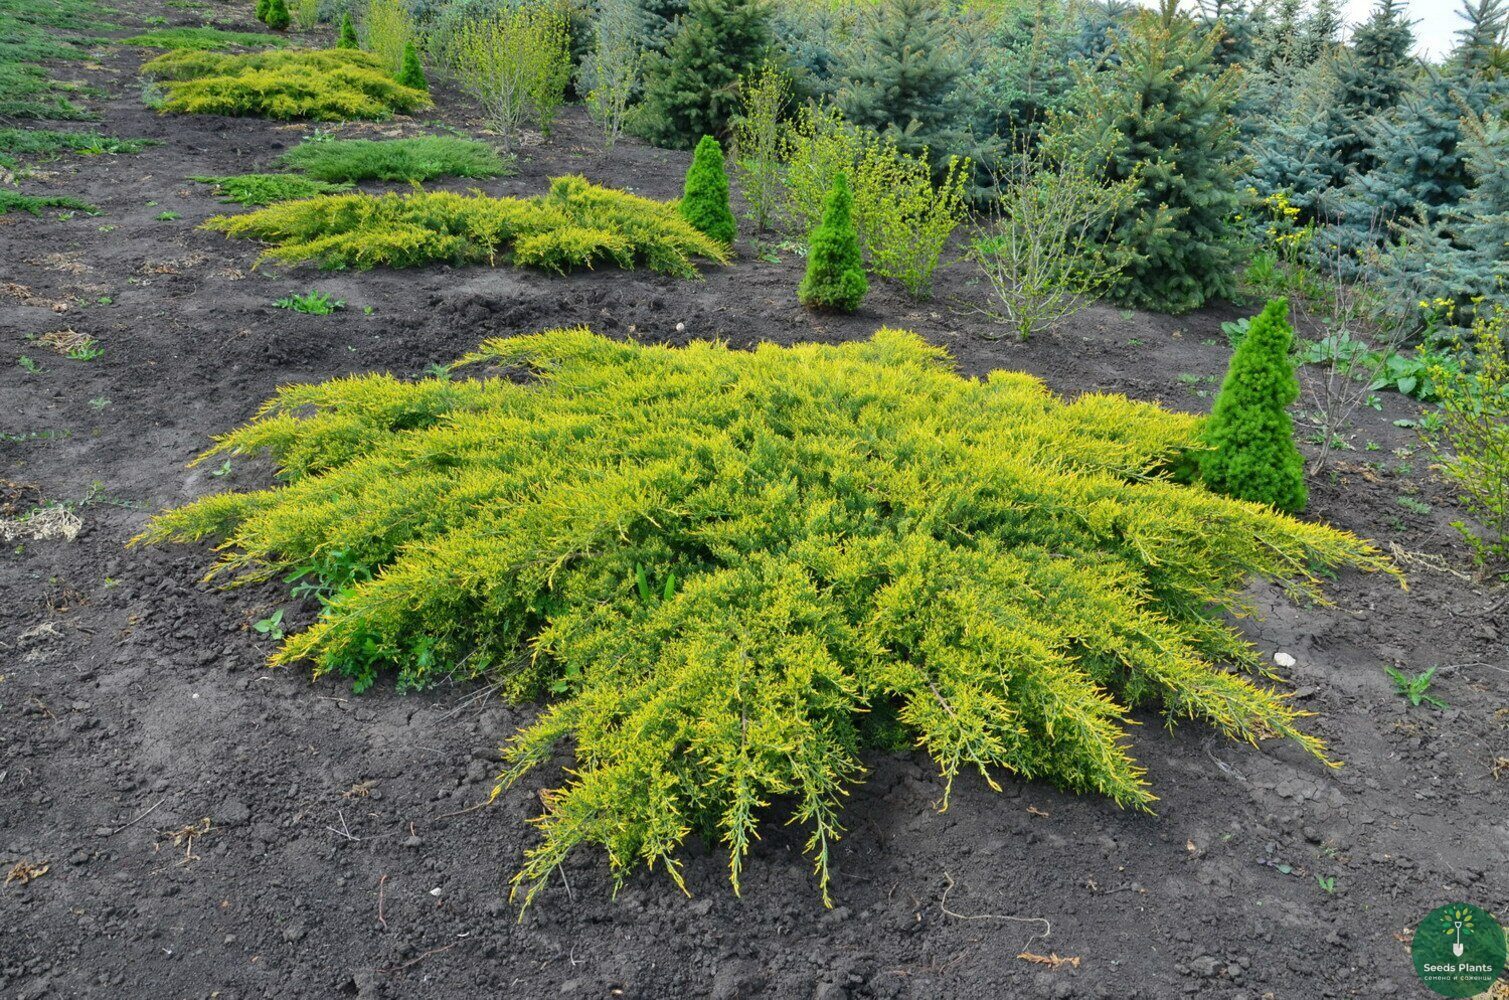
x: 575, y: 224
x: 728, y: 563
x: 322, y: 84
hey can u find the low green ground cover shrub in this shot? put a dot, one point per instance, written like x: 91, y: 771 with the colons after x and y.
x: 38, y: 31
x: 15, y: 201
x: 264, y: 189
x: 322, y: 84
x: 417, y: 159
x: 48, y: 144
x: 737, y: 569
x: 204, y: 39
x: 576, y: 224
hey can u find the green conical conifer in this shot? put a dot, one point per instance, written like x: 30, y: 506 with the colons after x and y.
x: 277, y: 14
x: 411, y: 74
x: 262, y: 6
x: 348, y: 33
x: 835, y: 276
x: 1251, y: 437
x: 705, y: 201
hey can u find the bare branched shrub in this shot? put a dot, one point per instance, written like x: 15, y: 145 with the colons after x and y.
x: 1041, y: 248
x: 611, y: 74
x: 757, y: 131
x: 1358, y: 330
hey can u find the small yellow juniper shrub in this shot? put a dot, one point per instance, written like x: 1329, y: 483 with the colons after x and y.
x: 575, y: 224
x: 320, y: 84
x: 737, y: 569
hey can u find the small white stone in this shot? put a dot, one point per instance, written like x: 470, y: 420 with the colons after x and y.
x: 1283, y: 659
x: 680, y: 327
x: 435, y: 891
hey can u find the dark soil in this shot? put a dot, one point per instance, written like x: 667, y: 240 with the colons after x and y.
x: 214, y: 829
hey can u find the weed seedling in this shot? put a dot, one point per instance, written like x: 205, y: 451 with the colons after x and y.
x: 313, y: 303
x: 1327, y: 883
x: 1416, y: 688
x: 167, y: 216
x: 98, y: 404
x: 271, y: 626
x: 223, y: 469
x: 29, y: 364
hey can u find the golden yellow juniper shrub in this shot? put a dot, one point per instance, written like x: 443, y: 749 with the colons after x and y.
x: 319, y: 84
x: 735, y: 570
x: 575, y: 224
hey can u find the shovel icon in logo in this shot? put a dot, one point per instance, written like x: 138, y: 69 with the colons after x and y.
x: 1456, y: 946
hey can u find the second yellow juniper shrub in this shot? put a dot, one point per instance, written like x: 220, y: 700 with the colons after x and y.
x: 319, y: 84
x: 574, y: 224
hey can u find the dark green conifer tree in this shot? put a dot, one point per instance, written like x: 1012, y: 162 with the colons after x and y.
x: 1279, y: 42
x: 1162, y: 116
x: 835, y: 277
x: 277, y: 15
x: 1023, y: 75
x: 692, y: 90
x: 901, y: 78
x: 704, y: 202
x: 348, y: 33
x: 1321, y: 33
x: 262, y: 6
x: 411, y: 73
x: 1250, y: 434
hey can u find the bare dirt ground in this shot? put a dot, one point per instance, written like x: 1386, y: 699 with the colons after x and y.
x: 210, y: 828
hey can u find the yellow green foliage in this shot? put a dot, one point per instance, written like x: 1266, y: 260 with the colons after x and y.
x: 904, y: 219
x: 736, y: 569
x: 322, y: 84
x: 575, y: 224
x: 515, y: 62
x: 1471, y: 437
x: 386, y: 30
